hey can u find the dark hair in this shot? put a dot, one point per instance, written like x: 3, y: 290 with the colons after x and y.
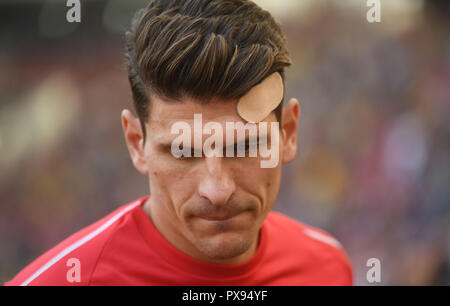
x: 201, y: 49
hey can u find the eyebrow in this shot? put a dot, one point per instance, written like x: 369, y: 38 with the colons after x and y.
x: 165, y: 146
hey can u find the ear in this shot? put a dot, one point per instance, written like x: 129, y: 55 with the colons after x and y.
x: 289, y: 120
x: 134, y: 139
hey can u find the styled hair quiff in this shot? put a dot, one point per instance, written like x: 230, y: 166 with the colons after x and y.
x: 201, y: 49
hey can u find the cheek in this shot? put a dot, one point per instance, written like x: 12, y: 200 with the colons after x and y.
x: 261, y: 182
x: 271, y: 181
x: 273, y: 185
x: 171, y: 182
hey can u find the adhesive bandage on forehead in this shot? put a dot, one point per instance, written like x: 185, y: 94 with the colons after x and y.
x: 262, y: 99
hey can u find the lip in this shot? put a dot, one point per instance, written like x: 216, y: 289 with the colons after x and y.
x: 219, y: 217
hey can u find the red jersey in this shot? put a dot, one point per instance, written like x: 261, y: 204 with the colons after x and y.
x: 125, y: 248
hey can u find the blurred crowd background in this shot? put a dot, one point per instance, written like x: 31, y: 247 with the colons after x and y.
x: 373, y: 167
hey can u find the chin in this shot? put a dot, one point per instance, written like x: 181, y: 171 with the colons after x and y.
x: 225, y: 245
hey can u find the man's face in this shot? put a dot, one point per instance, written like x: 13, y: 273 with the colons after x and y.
x: 209, y: 207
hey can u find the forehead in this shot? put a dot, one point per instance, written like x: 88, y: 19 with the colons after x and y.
x: 164, y: 113
x: 255, y: 106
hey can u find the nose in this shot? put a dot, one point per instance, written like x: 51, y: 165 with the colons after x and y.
x: 217, y: 184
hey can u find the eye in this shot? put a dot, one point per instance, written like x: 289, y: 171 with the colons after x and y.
x: 245, y: 145
x: 192, y: 154
x: 249, y: 143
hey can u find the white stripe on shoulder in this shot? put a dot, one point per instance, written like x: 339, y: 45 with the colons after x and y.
x: 322, y: 237
x: 79, y: 243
